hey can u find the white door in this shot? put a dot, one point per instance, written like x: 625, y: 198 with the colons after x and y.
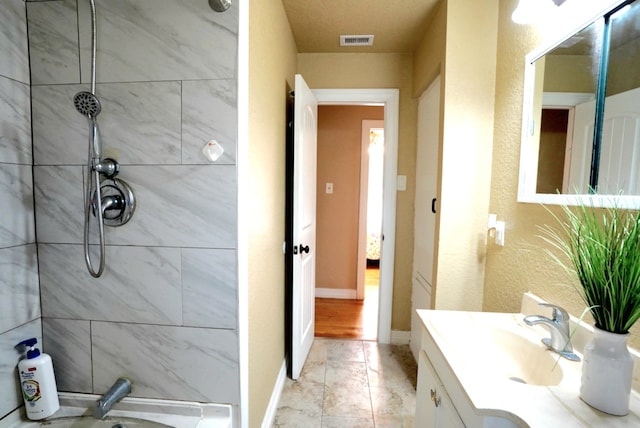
x: 620, y: 147
x: 425, y: 207
x: 304, y: 224
x: 619, y: 155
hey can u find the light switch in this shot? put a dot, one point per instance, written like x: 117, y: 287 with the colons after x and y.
x: 328, y: 188
x: 402, y: 183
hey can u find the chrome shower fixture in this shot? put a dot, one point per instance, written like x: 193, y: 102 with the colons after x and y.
x: 219, y: 5
x: 87, y: 104
x: 111, y: 201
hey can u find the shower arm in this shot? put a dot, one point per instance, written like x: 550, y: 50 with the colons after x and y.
x: 93, y: 47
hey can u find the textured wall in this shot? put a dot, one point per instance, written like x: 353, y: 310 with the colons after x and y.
x: 167, y: 302
x: 339, y: 149
x: 19, y: 297
x: 467, y: 139
x: 272, y: 66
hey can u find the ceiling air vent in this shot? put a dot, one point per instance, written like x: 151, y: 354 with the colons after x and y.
x: 359, y: 40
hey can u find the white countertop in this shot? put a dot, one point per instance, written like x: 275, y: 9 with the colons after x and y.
x: 458, y: 347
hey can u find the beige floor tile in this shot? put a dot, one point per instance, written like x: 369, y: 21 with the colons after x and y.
x: 393, y: 400
x: 347, y: 373
x: 347, y: 400
x: 390, y: 365
x: 394, y: 421
x: 318, y: 351
x: 302, y: 398
x: 347, y: 383
x: 343, y: 422
x: 345, y: 350
x: 297, y: 420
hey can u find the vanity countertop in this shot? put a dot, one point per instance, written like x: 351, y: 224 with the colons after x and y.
x: 473, y: 370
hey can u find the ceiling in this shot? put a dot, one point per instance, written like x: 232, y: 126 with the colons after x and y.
x: 398, y: 25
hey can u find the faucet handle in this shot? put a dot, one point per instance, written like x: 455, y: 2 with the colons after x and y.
x: 559, y: 314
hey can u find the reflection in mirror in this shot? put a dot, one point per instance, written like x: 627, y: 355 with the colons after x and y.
x: 619, y: 160
x: 569, y: 75
x: 581, y: 114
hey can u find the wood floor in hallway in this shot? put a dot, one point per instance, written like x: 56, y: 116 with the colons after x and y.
x: 350, y: 319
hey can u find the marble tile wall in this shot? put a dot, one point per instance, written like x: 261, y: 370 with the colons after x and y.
x: 165, y: 310
x: 19, y: 294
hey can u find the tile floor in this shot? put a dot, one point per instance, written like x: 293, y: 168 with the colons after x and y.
x: 351, y: 384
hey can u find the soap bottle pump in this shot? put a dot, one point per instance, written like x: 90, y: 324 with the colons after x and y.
x: 38, y: 382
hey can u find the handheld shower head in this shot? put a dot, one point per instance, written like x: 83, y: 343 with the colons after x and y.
x: 87, y: 104
x: 219, y: 5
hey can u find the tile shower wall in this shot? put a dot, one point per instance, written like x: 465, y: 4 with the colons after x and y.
x: 19, y: 296
x: 165, y: 310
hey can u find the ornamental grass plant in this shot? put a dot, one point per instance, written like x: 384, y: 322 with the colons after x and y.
x: 603, y: 249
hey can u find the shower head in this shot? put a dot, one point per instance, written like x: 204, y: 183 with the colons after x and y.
x: 219, y: 5
x: 87, y: 104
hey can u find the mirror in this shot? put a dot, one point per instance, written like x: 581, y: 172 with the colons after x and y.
x: 581, y: 126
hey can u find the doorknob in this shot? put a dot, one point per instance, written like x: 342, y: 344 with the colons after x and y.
x: 304, y: 249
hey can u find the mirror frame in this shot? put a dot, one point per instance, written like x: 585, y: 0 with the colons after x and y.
x: 529, y: 149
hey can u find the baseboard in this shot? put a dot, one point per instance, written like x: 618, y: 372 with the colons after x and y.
x: 399, y: 337
x: 270, y: 413
x: 335, y: 293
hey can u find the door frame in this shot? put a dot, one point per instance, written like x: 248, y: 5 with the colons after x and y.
x: 389, y: 99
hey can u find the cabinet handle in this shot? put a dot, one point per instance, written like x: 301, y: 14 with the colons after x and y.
x: 435, y: 398
x: 433, y: 205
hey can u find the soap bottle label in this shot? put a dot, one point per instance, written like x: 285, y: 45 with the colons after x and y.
x: 30, y: 387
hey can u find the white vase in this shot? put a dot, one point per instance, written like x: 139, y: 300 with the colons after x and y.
x: 607, y: 370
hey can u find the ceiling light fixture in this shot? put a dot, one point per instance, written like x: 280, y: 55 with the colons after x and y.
x: 531, y: 11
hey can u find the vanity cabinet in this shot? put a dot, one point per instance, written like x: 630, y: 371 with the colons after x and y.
x: 434, y: 408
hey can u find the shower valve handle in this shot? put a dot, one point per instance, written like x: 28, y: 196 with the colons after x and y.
x: 107, y: 167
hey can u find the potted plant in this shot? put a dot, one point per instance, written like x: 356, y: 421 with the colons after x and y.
x: 603, y: 248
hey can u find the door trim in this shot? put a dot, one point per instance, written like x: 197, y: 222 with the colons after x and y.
x: 389, y: 98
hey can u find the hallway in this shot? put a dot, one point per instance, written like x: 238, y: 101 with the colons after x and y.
x: 351, y: 384
x: 350, y: 319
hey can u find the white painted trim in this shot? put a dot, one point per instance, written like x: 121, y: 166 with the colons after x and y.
x: 336, y: 293
x: 565, y: 99
x: 390, y: 99
x: 272, y: 407
x: 400, y: 337
x: 243, y: 217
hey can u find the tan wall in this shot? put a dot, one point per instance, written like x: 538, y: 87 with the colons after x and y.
x: 461, y: 46
x: 270, y: 70
x: 339, y: 148
x: 428, y: 57
x: 522, y: 264
x: 553, y: 143
x: 570, y: 73
x: 381, y: 71
x: 467, y: 140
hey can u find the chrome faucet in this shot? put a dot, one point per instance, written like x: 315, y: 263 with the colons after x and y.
x: 560, y: 340
x: 117, y: 392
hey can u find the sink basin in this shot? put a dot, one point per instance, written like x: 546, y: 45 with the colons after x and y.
x: 108, y: 422
x: 499, y: 347
x: 521, y: 360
